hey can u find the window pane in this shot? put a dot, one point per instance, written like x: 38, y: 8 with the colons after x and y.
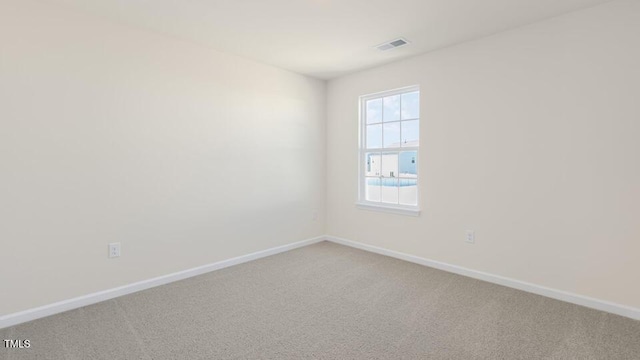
x: 391, y: 108
x: 372, y: 164
x: 372, y: 189
x: 410, y: 133
x: 392, y: 135
x: 389, y: 191
x: 408, y: 191
x: 389, y: 165
x: 374, y: 111
x: 374, y: 136
x: 411, y: 105
x: 407, y: 164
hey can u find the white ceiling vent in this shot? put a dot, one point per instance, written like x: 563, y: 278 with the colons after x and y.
x: 392, y: 44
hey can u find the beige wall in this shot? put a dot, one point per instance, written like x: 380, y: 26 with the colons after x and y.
x: 108, y: 133
x: 531, y: 138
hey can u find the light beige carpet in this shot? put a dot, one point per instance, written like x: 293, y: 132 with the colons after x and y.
x: 328, y: 301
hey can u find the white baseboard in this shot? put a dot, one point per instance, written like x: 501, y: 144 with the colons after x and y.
x: 70, y: 304
x: 623, y: 310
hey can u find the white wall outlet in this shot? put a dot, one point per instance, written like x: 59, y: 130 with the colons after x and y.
x: 114, y: 250
x: 471, y: 237
x: 314, y: 215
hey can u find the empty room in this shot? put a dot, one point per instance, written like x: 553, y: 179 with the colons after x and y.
x: 320, y: 179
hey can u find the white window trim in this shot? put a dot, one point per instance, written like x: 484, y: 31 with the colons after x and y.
x: 380, y: 206
x: 388, y: 208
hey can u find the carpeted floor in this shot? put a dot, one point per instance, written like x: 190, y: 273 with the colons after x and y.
x: 328, y: 301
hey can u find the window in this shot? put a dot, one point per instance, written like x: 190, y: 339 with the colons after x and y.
x: 389, y: 142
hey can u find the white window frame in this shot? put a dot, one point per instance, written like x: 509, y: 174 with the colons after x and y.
x: 362, y: 203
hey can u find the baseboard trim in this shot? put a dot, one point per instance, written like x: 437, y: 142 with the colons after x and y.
x: 622, y: 310
x: 74, y: 303
x: 77, y: 302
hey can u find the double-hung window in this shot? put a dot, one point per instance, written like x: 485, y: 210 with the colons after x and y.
x: 389, y: 143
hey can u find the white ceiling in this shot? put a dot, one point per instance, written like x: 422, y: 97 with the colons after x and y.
x: 327, y: 38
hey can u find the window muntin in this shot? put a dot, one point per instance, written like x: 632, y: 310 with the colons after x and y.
x: 390, y: 127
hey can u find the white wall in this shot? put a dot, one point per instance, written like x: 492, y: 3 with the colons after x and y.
x: 109, y: 133
x: 531, y: 138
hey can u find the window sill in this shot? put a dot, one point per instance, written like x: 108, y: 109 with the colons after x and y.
x: 388, y: 209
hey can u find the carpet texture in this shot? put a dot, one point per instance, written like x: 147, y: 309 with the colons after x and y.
x: 327, y: 301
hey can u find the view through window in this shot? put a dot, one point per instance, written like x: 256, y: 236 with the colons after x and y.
x: 390, y: 124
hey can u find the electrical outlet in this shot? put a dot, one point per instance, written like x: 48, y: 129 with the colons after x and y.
x: 314, y: 215
x: 471, y: 237
x: 114, y: 250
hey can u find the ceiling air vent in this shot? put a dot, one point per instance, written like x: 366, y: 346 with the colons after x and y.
x: 392, y: 44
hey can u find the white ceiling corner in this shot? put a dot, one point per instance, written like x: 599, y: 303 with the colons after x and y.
x: 327, y: 38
